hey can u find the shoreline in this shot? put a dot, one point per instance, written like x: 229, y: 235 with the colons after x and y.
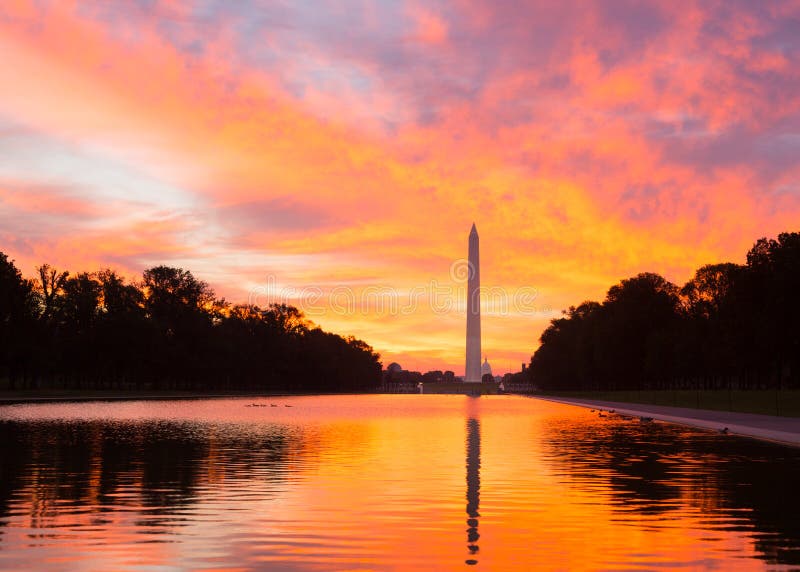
x: 781, y: 430
x: 13, y: 398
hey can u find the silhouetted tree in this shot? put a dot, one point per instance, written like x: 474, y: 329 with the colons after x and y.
x: 17, y: 310
x: 95, y: 330
x: 434, y: 376
x: 731, y: 325
x: 775, y: 268
x: 51, y: 283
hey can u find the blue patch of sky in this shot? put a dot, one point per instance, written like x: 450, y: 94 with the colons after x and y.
x: 305, y: 45
x: 329, y: 47
x: 770, y: 154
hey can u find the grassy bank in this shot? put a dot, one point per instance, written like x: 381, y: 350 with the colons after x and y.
x: 767, y: 402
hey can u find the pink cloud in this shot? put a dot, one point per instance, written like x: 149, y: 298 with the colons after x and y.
x: 589, y: 141
x: 430, y: 28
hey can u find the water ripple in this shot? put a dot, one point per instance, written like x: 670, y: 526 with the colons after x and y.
x: 384, y: 482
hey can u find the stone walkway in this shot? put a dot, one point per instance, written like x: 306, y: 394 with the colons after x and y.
x: 767, y: 427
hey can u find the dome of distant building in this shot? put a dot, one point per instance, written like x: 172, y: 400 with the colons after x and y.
x: 394, y: 367
x: 485, y: 367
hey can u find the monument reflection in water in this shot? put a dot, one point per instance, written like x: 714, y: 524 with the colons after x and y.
x: 473, y: 485
x: 377, y: 482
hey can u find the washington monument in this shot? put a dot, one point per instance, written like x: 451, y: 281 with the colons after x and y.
x: 473, y: 369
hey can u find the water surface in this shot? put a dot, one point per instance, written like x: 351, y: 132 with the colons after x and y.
x: 384, y: 482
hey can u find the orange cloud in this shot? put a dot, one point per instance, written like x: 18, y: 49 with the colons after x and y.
x: 254, y: 144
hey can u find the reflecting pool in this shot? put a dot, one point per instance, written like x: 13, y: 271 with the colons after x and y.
x: 384, y: 482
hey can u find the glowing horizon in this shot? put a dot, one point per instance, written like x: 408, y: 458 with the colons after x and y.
x: 281, y: 147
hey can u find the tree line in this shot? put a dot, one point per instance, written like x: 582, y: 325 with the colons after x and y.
x: 731, y: 326
x: 96, y: 330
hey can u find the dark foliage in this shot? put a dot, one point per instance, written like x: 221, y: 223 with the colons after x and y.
x: 731, y: 326
x: 169, y: 331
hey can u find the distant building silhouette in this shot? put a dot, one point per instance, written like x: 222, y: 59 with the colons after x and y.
x: 394, y: 367
x: 398, y: 380
x: 486, y: 369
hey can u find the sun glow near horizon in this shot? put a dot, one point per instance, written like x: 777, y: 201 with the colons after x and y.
x: 330, y: 147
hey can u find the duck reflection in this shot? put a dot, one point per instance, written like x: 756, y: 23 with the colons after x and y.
x: 473, y: 484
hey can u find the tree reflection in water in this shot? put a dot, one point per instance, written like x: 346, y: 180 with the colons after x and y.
x: 664, y: 471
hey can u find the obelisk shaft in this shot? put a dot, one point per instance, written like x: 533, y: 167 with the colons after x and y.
x: 473, y: 367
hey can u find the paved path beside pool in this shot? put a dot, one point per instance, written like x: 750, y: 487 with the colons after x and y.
x: 767, y: 427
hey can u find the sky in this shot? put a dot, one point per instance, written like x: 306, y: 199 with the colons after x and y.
x: 334, y: 155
